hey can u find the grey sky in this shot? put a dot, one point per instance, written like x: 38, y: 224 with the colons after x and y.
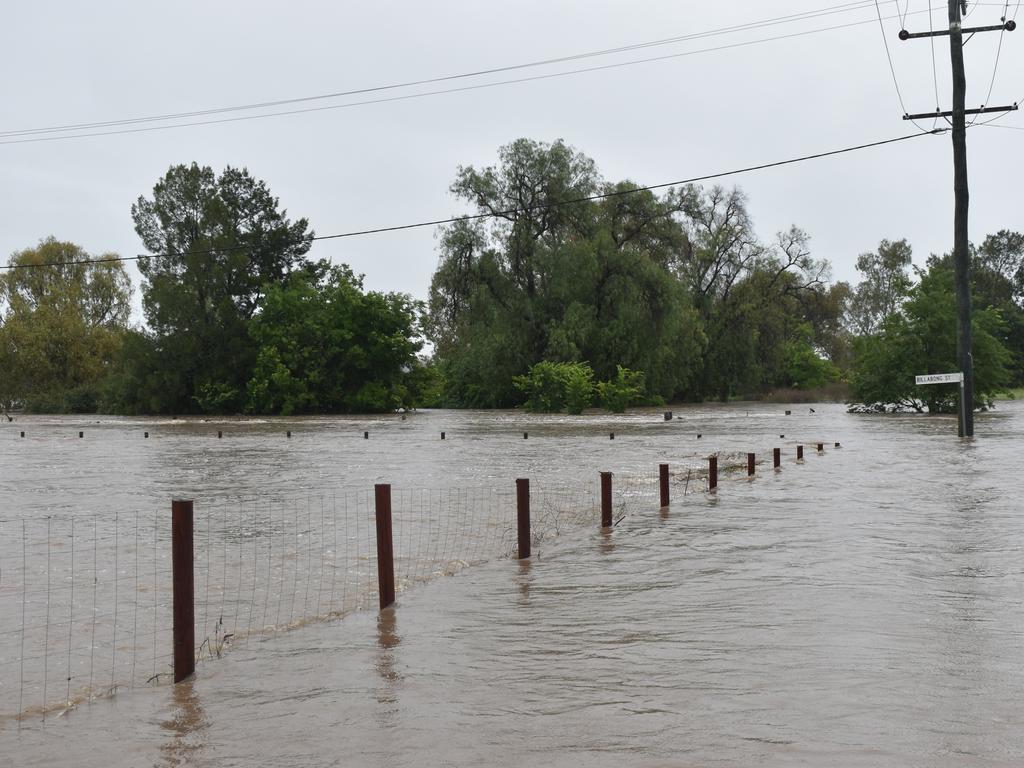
x: 392, y: 163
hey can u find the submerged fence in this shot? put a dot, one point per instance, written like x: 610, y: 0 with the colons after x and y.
x: 88, y: 606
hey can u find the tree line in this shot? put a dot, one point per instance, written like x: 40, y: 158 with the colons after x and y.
x: 567, y: 291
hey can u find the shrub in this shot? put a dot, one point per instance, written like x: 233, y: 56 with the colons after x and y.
x: 624, y: 390
x: 553, y: 387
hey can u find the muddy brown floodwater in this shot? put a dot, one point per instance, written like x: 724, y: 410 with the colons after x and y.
x: 863, y: 608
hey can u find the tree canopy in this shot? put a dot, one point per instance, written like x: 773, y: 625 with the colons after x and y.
x: 325, y: 345
x: 63, y: 315
x: 218, y: 243
x: 920, y: 338
x: 676, y: 287
x: 563, y: 291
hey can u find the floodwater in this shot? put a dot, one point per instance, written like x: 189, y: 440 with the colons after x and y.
x: 862, y: 608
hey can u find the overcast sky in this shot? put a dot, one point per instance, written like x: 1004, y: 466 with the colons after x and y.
x: 391, y: 163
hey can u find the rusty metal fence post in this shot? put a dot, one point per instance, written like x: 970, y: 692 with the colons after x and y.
x: 712, y: 472
x: 385, y: 551
x: 523, y: 516
x: 776, y: 457
x: 606, y: 499
x: 183, y: 578
x: 750, y: 464
x: 663, y: 483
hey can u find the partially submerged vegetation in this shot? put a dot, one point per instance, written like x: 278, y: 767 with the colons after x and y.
x: 915, y: 332
x: 567, y: 292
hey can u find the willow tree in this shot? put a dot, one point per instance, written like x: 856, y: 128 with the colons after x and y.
x: 63, y: 316
x: 755, y: 299
x: 552, y: 275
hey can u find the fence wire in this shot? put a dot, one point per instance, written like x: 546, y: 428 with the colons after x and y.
x: 86, y: 600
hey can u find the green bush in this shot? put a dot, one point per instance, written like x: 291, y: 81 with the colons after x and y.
x: 553, y: 387
x: 627, y: 388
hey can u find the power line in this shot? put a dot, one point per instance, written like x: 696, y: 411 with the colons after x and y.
x: 995, y: 66
x: 803, y: 16
x: 888, y: 55
x: 903, y: 16
x: 494, y: 214
x: 460, y: 89
x: 935, y: 70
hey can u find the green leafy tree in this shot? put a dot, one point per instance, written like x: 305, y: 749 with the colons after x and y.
x: 920, y: 338
x: 677, y: 286
x: 1003, y: 254
x: 772, y: 296
x: 63, y: 317
x: 886, y: 283
x: 558, y: 278
x: 804, y: 368
x: 326, y: 345
x: 218, y: 243
x: 825, y: 309
x: 997, y: 276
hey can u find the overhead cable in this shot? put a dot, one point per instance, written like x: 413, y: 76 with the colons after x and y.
x: 28, y: 137
x: 841, y: 8
x: 494, y: 214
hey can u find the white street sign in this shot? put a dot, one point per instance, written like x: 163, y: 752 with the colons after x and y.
x: 940, y: 378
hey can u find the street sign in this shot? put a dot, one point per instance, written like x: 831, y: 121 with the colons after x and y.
x: 940, y: 378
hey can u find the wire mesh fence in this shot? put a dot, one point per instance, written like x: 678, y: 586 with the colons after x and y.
x: 87, y: 600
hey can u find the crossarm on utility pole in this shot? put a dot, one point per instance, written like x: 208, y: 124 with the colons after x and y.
x: 949, y: 113
x: 1008, y: 26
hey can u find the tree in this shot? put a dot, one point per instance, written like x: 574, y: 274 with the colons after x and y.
x: 63, y: 316
x: 920, y: 338
x: 885, y: 285
x: 218, y: 243
x: 559, y: 278
x: 756, y: 300
x: 997, y: 276
x: 1003, y: 254
x: 325, y: 345
x: 722, y: 247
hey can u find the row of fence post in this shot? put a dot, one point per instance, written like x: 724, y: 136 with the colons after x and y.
x: 182, y: 551
x: 366, y: 435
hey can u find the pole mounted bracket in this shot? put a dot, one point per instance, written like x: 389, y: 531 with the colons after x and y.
x: 949, y: 113
x: 1008, y: 26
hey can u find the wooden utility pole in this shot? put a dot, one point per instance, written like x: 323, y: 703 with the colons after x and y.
x: 961, y: 258
x: 961, y: 261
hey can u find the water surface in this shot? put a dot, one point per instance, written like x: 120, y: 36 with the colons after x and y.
x: 862, y: 608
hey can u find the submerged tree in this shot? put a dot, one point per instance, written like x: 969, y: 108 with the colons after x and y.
x: 920, y: 338
x: 218, y: 242
x: 677, y: 287
x: 63, y: 316
x: 326, y: 345
x: 758, y: 302
x: 997, y: 276
x: 557, y: 277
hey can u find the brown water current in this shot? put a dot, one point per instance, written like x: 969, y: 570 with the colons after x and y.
x: 864, y: 607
